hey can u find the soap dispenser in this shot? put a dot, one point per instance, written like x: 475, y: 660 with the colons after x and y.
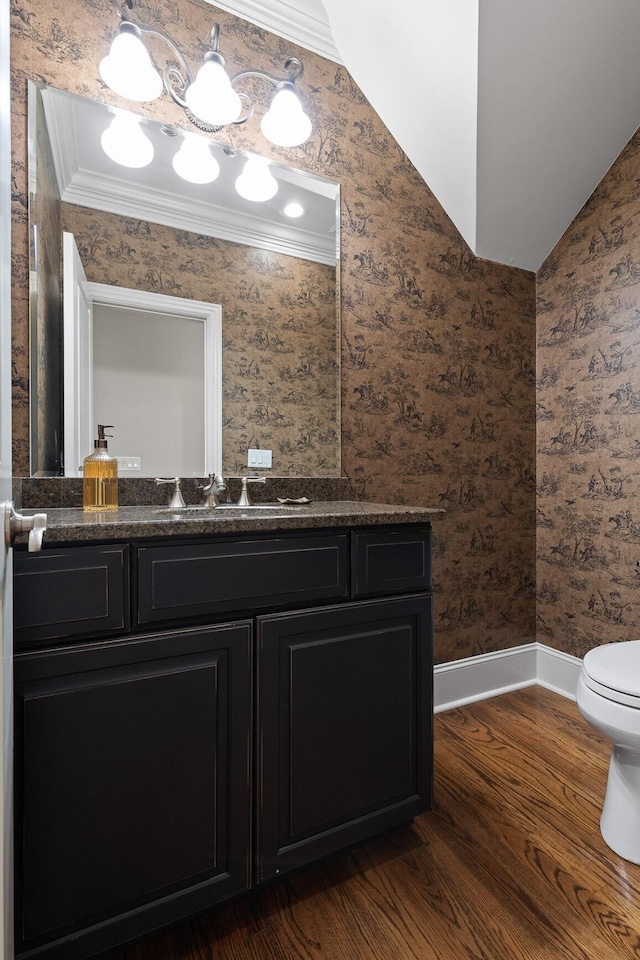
x: 100, y: 470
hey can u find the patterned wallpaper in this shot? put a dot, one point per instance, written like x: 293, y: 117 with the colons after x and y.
x: 279, y: 357
x: 588, y: 413
x: 438, y: 347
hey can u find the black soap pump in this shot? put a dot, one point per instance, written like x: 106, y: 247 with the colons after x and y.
x: 100, y: 471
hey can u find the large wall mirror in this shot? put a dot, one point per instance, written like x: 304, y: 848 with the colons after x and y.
x: 134, y: 267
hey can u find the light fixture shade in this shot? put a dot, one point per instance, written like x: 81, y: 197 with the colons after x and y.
x: 194, y: 162
x: 124, y: 142
x: 256, y: 181
x: 211, y: 98
x: 285, y: 123
x: 128, y: 70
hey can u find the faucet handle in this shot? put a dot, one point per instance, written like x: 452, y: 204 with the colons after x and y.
x: 245, y: 500
x: 177, y: 500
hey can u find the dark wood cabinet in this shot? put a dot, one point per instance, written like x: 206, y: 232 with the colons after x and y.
x: 133, y: 788
x: 344, y: 727
x: 280, y: 711
x: 195, y: 581
x: 72, y: 592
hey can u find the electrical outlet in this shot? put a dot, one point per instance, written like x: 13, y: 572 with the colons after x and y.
x: 259, y: 458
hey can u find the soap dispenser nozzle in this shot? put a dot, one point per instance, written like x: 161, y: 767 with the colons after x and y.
x: 102, y: 436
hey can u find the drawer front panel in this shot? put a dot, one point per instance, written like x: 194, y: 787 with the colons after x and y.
x: 391, y: 562
x: 195, y: 581
x: 70, y: 592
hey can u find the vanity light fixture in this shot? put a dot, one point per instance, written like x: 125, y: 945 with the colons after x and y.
x: 124, y: 142
x: 256, y: 182
x: 211, y: 101
x: 194, y: 161
x: 293, y: 209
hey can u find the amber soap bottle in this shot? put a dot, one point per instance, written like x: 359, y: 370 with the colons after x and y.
x: 100, y: 471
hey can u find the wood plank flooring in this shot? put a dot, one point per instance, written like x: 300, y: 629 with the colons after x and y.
x: 510, y: 865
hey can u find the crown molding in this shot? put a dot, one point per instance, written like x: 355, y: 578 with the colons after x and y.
x: 309, y: 28
x: 100, y: 192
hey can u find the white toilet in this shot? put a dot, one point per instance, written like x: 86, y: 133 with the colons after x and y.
x: 608, y: 696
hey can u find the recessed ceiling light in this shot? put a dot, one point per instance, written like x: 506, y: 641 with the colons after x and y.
x: 294, y: 210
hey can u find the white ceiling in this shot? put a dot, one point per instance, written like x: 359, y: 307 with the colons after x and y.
x: 512, y: 111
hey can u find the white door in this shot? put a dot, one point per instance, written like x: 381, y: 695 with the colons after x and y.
x: 10, y: 522
x: 6, y: 639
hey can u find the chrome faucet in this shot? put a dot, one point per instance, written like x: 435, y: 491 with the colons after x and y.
x: 177, y: 500
x: 212, y: 490
x: 245, y: 500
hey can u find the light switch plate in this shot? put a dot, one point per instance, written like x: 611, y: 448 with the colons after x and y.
x: 128, y: 463
x: 259, y: 458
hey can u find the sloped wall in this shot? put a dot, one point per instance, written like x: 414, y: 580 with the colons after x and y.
x: 438, y: 353
x: 588, y: 412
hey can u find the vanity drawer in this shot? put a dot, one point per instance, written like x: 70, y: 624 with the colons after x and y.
x: 70, y: 592
x: 392, y: 561
x: 201, y: 580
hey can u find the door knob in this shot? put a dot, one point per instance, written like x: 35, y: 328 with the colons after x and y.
x: 15, y: 523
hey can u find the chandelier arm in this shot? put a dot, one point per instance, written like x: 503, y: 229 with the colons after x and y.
x: 122, y: 14
x: 293, y: 67
x: 176, y: 84
x: 249, y: 106
x: 156, y: 32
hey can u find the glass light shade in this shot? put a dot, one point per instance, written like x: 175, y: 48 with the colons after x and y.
x: 124, y: 142
x: 256, y: 181
x: 285, y: 123
x: 194, y: 162
x: 128, y: 69
x: 211, y: 98
x: 293, y: 210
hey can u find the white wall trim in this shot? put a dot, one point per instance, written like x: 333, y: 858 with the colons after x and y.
x: 99, y: 191
x: 558, y: 671
x: 304, y: 24
x: 210, y: 314
x: 477, y: 678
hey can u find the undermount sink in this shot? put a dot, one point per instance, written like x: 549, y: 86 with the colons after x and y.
x: 200, y: 508
x: 255, y: 506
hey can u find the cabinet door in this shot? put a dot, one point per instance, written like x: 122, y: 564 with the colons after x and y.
x: 344, y: 727
x: 132, y: 773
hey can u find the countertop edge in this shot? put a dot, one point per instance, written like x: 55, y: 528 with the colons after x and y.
x: 73, y: 525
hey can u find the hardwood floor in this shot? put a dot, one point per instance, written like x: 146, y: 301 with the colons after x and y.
x: 510, y: 864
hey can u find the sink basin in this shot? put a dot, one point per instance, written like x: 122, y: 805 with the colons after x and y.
x: 210, y: 511
x: 193, y: 509
x: 255, y: 506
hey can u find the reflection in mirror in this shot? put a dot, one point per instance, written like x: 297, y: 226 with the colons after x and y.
x: 272, y: 276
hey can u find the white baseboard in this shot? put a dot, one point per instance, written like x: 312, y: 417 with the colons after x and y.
x: 490, y: 674
x: 558, y: 671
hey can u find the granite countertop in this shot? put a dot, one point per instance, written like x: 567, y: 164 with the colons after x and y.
x: 74, y: 525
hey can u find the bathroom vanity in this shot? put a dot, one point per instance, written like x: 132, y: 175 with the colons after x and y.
x: 207, y: 702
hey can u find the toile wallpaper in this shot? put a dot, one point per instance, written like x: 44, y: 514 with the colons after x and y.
x: 588, y: 413
x: 279, y: 358
x: 438, y: 347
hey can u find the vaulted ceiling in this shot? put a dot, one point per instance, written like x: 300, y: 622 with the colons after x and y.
x: 512, y: 111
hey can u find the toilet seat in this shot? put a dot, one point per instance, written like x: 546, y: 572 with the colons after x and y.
x: 613, y: 672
